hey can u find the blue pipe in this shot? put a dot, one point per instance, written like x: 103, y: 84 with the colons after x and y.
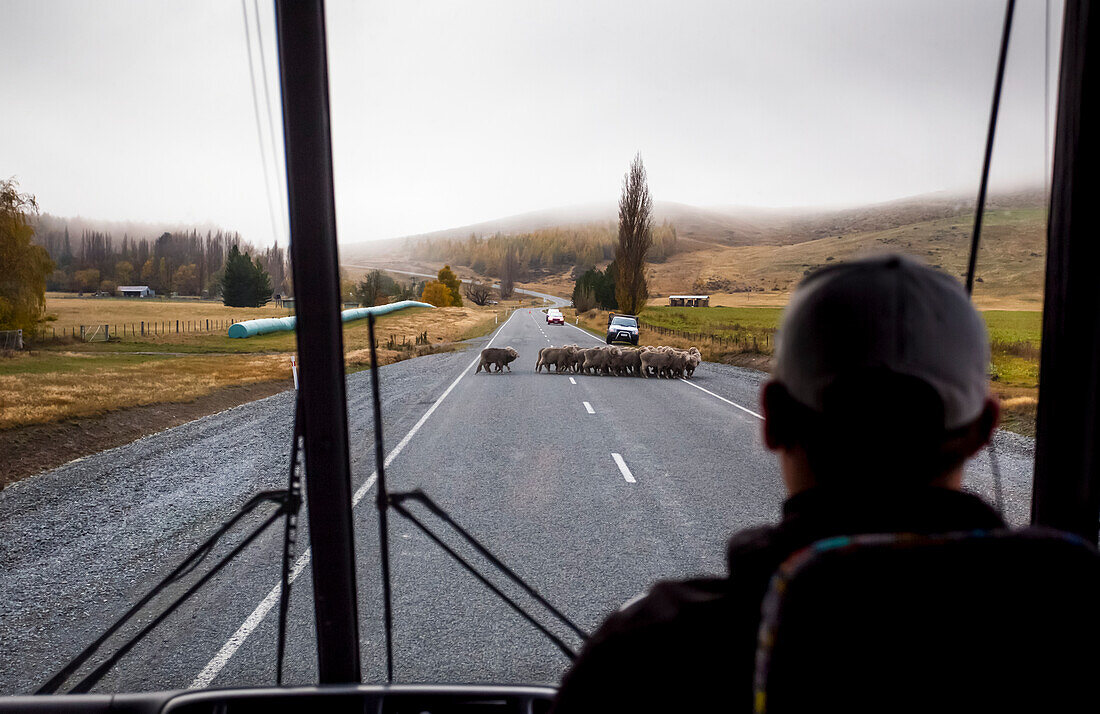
x: 251, y: 328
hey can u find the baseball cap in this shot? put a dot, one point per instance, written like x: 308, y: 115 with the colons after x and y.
x: 889, y: 313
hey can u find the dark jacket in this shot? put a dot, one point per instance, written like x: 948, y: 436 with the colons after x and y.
x: 689, y: 645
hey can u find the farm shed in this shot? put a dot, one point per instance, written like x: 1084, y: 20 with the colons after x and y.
x: 689, y: 300
x: 135, y: 291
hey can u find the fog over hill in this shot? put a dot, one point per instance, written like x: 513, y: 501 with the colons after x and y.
x: 729, y: 225
x: 46, y: 222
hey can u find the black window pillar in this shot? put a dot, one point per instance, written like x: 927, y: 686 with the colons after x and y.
x: 303, y: 72
x: 1067, y: 454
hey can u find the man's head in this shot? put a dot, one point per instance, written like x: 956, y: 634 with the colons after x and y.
x: 880, y: 379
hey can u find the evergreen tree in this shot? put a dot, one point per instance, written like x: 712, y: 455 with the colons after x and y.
x: 244, y: 283
x: 596, y: 288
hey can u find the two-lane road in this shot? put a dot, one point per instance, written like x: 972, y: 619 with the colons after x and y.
x: 590, y: 487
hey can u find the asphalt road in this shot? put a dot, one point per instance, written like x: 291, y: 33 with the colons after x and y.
x: 525, y: 461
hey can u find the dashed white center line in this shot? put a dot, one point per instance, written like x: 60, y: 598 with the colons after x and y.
x: 572, y: 381
x: 622, y: 468
x: 588, y: 406
x: 211, y: 670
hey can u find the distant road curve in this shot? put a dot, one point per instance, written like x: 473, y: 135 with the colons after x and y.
x: 554, y: 300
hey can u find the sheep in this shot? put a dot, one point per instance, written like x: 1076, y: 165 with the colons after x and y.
x: 647, y: 361
x: 599, y: 359
x: 694, y: 358
x: 663, y: 362
x: 496, y: 356
x: 627, y: 362
x: 653, y: 361
x: 576, y: 364
x: 559, y: 357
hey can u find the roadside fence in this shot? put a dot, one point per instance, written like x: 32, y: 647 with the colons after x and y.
x: 145, y: 328
x: 761, y: 342
x: 11, y: 339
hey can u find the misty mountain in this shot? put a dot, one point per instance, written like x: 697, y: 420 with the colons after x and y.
x: 728, y: 225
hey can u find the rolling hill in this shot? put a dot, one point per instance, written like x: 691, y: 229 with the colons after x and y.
x: 752, y: 256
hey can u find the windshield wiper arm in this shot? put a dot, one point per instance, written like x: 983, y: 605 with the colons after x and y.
x: 386, y: 500
x: 289, y: 501
x: 396, y: 500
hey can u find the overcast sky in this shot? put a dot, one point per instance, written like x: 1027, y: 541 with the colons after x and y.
x: 447, y: 113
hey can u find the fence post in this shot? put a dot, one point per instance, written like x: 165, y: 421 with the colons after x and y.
x: 106, y: 333
x: 82, y: 333
x: 177, y: 327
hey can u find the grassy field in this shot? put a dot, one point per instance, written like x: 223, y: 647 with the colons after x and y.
x: 58, y: 380
x: 40, y: 388
x: 1014, y: 340
x: 70, y: 311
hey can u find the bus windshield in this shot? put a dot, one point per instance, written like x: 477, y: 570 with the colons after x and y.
x: 688, y: 165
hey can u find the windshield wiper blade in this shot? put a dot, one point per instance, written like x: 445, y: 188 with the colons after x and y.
x: 386, y: 500
x: 396, y: 500
x: 289, y: 501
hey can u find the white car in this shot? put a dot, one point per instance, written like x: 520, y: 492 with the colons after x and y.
x: 554, y: 317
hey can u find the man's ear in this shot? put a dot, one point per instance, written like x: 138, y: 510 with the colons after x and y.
x: 776, y: 404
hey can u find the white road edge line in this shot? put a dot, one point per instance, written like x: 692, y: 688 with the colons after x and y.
x: 622, y: 468
x: 716, y: 396
x: 215, y: 665
x: 588, y: 406
x: 597, y: 339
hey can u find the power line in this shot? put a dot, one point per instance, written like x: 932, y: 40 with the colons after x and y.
x: 259, y: 129
x: 284, y: 210
x: 1046, y: 99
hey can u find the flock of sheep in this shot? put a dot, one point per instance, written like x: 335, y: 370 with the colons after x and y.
x: 647, y: 361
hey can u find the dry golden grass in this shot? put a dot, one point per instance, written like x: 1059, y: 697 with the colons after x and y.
x: 87, y: 385
x: 781, y: 298
x: 1010, y: 264
x: 760, y: 299
x: 52, y: 385
x: 74, y: 311
x: 560, y: 285
x: 443, y: 324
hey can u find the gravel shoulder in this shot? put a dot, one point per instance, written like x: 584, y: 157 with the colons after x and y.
x: 82, y: 541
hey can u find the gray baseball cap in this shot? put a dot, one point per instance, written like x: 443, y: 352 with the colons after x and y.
x: 889, y: 313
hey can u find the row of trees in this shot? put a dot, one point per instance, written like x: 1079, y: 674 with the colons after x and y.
x: 187, y: 263
x: 377, y: 288
x: 547, y: 249
x: 37, y: 253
